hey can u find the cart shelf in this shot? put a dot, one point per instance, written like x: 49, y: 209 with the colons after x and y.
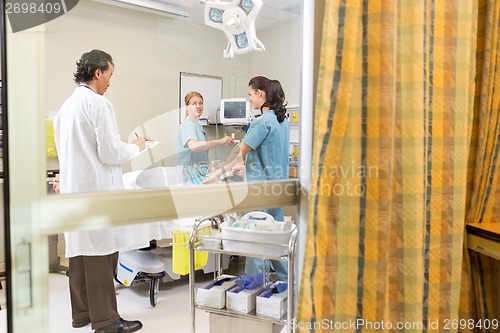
x: 236, y: 314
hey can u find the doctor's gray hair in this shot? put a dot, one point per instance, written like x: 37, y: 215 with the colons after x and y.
x: 89, y: 62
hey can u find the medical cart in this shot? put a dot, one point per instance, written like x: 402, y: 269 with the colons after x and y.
x: 213, y: 243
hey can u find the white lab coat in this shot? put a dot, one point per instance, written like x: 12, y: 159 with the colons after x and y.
x: 90, y: 154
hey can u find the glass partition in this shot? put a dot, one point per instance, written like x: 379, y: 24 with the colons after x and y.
x: 149, y: 49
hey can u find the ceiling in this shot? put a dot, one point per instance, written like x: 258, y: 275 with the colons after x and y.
x: 273, y: 12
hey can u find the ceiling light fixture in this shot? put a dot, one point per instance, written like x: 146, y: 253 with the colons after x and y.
x: 156, y: 6
x: 237, y: 20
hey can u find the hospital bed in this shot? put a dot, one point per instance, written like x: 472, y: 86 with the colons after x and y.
x: 154, y: 264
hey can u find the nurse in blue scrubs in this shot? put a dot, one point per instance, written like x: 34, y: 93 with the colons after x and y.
x: 265, y: 151
x: 192, y: 144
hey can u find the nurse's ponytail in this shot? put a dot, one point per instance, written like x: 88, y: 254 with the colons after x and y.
x: 276, y: 99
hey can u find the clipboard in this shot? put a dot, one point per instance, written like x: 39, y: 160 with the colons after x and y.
x: 149, y: 145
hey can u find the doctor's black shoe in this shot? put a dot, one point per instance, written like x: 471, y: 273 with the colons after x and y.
x: 80, y: 323
x: 121, y: 326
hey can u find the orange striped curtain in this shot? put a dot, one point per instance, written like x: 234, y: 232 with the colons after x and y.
x: 393, y: 125
x: 480, y: 275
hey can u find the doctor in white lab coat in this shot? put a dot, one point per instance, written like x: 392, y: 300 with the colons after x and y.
x: 90, y: 154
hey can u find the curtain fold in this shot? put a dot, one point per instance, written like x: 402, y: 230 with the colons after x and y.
x: 483, y: 201
x: 480, y: 272
x: 393, y: 128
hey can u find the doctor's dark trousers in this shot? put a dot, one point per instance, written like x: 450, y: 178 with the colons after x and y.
x: 92, y: 289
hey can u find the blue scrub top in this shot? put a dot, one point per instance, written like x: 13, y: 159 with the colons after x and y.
x: 189, y: 130
x: 269, y: 139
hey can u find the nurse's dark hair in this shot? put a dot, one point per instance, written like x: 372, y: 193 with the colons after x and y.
x: 89, y: 62
x: 275, y: 96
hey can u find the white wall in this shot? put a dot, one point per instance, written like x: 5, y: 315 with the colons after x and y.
x: 281, y: 60
x: 149, y: 51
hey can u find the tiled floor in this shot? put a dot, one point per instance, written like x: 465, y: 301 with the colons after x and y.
x: 172, y: 310
x: 171, y: 314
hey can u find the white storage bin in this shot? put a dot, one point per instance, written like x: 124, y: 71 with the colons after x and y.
x: 270, y: 243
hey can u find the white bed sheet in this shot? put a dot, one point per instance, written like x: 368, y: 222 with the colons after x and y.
x: 154, y: 178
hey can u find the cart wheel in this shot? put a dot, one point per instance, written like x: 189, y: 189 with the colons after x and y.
x: 153, y: 291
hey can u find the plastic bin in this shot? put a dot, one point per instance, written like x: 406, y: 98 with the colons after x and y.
x: 238, y: 240
x: 50, y: 144
x: 180, y: 250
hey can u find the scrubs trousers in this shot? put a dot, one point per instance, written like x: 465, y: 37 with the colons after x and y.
x: 257, y: 265
x: 92, y: 289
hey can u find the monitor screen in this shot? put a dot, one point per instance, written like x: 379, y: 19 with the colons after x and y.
x: 234, y: 111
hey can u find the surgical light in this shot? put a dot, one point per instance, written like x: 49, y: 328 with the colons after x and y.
x: 242, y: 41
x: 236, y: 19
x: 152, y: 5
x: 216, y: 15
x: 247, y: 5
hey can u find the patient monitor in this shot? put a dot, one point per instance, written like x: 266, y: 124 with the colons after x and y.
x: 235, y: 111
